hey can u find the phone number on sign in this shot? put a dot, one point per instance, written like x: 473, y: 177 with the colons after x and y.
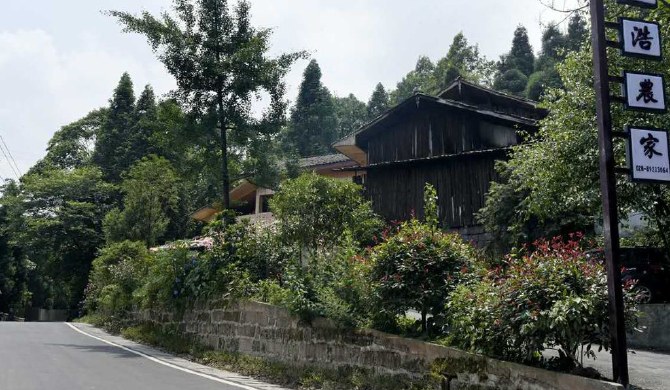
x: 651, y: 169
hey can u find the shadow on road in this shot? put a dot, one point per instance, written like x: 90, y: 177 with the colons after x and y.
x: 106, y: 349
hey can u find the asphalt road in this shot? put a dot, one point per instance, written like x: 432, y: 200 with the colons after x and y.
x: 54, y: 356
x: 647, y: 370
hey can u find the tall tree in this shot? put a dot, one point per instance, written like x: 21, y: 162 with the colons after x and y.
x: 140, y: 144
x: 62, y: 230
x: 554, y: 50
x: 72, y: 146
x: 220, y: 63
x: 378, y: 103
x: 462, y: 60
x: 577, y: 32
x: 513, y: 81
x: 419, y: 79
x: 313, y: 123
x: 554, y: 43
x: 521, y: 55
x: 111, y: 142
x: 351, y: 114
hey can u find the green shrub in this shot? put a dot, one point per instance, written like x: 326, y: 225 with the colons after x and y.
x: 165, y: 280
x: 417, y: 267
x: 314, y: 211
x: 116, y: 273
x: 334, y: 285
x: 550, y: 297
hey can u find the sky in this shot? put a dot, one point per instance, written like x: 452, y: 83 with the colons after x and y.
x: 61, y: 59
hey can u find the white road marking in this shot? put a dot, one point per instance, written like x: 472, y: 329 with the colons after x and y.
x: 156, y: 360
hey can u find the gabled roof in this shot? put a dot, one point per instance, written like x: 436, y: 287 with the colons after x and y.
x: 350, y: 145
x: 463, y: 90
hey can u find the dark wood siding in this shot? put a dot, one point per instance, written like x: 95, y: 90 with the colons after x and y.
x: 437, y: 131
x: 462, y: 182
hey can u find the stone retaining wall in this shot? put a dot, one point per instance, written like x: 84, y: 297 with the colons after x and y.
x: 273, y: 333
x: 655, y: 326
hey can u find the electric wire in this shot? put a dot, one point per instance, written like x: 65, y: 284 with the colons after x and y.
x: 10, y: 156
x: 8, y: 162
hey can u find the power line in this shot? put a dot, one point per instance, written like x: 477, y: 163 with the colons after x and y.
x: 2, y: 149
x: 10, y: 155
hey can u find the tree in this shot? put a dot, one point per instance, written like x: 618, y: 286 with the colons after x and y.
x: 521, y: 55
x: 15, y: 269
x: 351, y: 114
x: 512, y: 81
x: 111, y: 142
x: 220, y: 63
x: 151, y: 196
x: 314, y: 212
x: 462, y: 60
x: 555, y: 179
x: 577, y: 32
x: 62, y: 231
x: 418, y: 80
x: 313, y: 125
x: 553, y: 43
x: 378, y: 103
x: 72, y: 146
x: 140, y: 137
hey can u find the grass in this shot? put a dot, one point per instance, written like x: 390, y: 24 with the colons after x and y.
x: 288, y: 375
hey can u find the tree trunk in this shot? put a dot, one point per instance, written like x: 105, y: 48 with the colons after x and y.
x: 224, y: 151
x: 424, y: 320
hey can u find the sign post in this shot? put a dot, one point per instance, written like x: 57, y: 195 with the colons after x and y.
x: 647, y: 148
x: 609, y: 199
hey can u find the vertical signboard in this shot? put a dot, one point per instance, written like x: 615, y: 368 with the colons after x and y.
x: 640, y: 38
x: 644, y: 91
x: 648, y: 154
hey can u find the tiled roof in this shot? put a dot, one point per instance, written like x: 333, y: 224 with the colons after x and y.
x: 309, y: 162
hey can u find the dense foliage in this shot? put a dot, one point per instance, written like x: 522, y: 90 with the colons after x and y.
x: 550, y: 296
x: 221, y: 65
x: 314, y: 211
x: 550, y: 185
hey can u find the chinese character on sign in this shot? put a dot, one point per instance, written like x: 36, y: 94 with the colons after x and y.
x: 641, y: 36
x: 646, y: 91
x: 648, y: 154
x: 649, y: 144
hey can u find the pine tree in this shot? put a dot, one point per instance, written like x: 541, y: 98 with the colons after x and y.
x: 462, y: 60
x: 145, y: 118
x: 521, y: 55
x: 553, y: 43
x: 378, y: 103
x: 112, y: 142
x: 312, y: 129
x: 577, y: 32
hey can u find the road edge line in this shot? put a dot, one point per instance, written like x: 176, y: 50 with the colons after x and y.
x: 159, y: 361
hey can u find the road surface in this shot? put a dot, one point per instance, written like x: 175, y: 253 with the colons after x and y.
x: 56, y: 356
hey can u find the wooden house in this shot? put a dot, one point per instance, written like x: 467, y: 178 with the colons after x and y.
x: 251, y: 200
x: 451, y: 141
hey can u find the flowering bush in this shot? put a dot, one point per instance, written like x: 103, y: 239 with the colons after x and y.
x: 550, y: 297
